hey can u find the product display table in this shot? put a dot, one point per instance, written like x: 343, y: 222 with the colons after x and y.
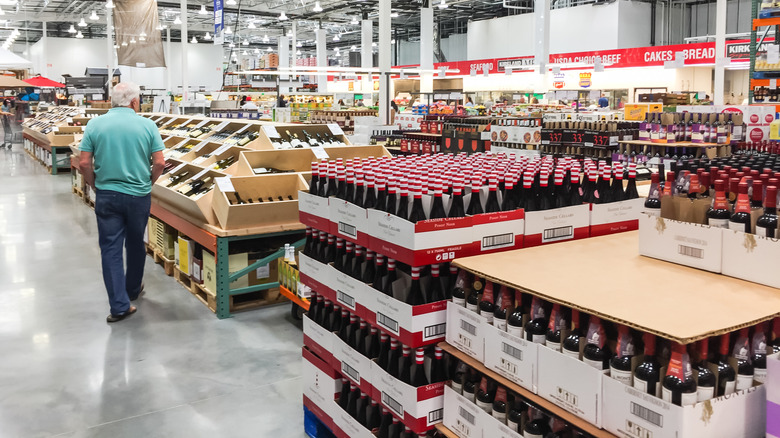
x: 53, y: 163
x: 606, y: 276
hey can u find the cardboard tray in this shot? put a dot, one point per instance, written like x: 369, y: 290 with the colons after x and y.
x: 196, y: 209
x: 605, y: 276
x: 266, y: 213
x: 297, y: 160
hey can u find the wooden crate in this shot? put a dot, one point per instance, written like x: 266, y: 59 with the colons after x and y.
x: 238, y: 303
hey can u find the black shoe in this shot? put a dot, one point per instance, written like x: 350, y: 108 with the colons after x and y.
x: 121, y: 316
x: 141, y: 293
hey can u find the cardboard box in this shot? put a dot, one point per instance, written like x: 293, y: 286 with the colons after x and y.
x: 354, y: 366
x: 462, y: 417
x: 628, y: 412
x: 186, y: 248
x: 498, y: 231
x: 348, y: 427
x: 749, y: 257
x: 493, y: 428
x: 511, y: 357
x: 268, y: 273
x: 284, y: 212
x: 557, y: 225
x: 570, y: 384
x: 638, y: 111
x: 296, y: 160
x: 773, y: 396
x: 319, y: 341
x: 321, y: 386
x: 464, y: 331
x: 420, y: 408
x: 314, y: 211
x: 223, y: 153
x: 236, y: 262
x: 414, y: 326
x: 615, y: 217
x: 316, y: 275
x: 353, y: 295
x: 685, y: 243
x: 349, y: 221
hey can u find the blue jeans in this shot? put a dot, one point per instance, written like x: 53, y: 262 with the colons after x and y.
x: 121, y: 221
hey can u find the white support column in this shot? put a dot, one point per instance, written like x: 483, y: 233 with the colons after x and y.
x: 110, y: 47
x: 44, y: 52
x: 720, y: 52
x: 168, y: 60
x: 185, y: 79
x: 426, y: 49
x: 384, y: 61
x: 322, y: 59
x: 284, y: 57
x: 294, y: 44
x: 542, y: 41
x: 366, y: 40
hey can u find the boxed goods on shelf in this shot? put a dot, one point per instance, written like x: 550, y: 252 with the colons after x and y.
x: 314, y: 211
x: 319, y: 341
x: 349, y: 221
x: 321, y: 385
x: 773, y: 396
x: 419, y: 407
x: 465, y: 331
x: 412, y: 325
x: 162, y: 237
x: 461, y: 416
x: 239, y: 201
x: 695, y: 245
x: 615, y: 217
x: 548, y: 226
x: 496, y: 429
x: 348, y: 427
x: 353, y: 365
x: 511, y: 357
x: 318, y: 276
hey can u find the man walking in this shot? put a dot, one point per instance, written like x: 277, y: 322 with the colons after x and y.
x: 127, y: 151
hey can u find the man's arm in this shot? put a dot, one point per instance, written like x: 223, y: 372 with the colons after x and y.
x: 87, y: 168
x: 158, y: 164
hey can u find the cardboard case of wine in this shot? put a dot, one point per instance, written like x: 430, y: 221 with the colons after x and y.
x: 278, y: 194
x: 318, y: 276
x: 465, y: 331
x: 628, y: 412
x: 461, y: 416
x: 319, y: 341
x: 353, y: 295
x: 224, y: 159
x: 419, y: 407
x: 321, y: 385
x: 557, y: 225
x: 685, y: 243
x: 314, y: 211
x: 348, y: 427
x: 353, y: 365
x: 495, y: 429
x: 773, y: 396
x: 615, y: 217
x: 511, y: 357
x: 197, y: 207
x: 349, y: 221
x: 501, y: 231
x: 751, y: 257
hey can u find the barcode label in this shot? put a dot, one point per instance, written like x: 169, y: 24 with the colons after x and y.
x: 350, y: 372
x: 391, y: 403
x: 387, y: 322
x: 435, y: 416
x: 690, y: 251
x: 647, y: 415
x: 558, y: 233
x: 466, y: 415
x: 468, y: 327
x: 347, y: 300
x: 434, y: 331
x: 349, y: 230
x: 498, y: 241
x: 512, y: 351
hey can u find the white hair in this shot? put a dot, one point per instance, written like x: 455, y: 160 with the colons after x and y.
x: 124, y: 93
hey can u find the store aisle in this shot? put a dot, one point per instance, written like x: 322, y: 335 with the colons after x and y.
x: 173, y: 369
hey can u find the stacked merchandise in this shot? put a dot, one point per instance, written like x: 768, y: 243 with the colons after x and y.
x: 589, y: 138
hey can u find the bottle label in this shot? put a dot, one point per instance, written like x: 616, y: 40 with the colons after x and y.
x: 487, y: 407
x: 488, y: 316
x: 645, y: 387
x: 514, y: 331
x: 500, y: 416
x: 500, y: 324
x: 459, y: 301
x: 470, y: 396
x: 765, y: 232
x: 744, y: 381
x: 759, y: 375
x: 743, y: 204
x: 572, y: 354
x: 653, y: 212
x: 697, y: 137
x: 531, y: 435
x: 736, y: 226
x: 457, y: 387
x: 720, y: 223
x: 557, y: 346
x: 687, y: 399
x: 730, y: 387
x: 472, y: 307
x: 597, y: 364
x: 538, y: 339
x: 705, y: 393
x: 512, y: 425
x: 621, y: 376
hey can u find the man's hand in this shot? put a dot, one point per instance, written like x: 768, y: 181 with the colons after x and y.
x: 158, y: 164
x: 87, y: 168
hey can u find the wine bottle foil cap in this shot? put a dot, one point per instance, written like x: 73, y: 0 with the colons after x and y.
x: 380, y: 259
x: 339, y: 242
x: 435, y: 269
x: 383, y: 336
x: 353, y: 318
x: 391, y: 263
x: 406, y: 350
x: 350, y: 245
x: 369, y: 254
x: 331, y: 239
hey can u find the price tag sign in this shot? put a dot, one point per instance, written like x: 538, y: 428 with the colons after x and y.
x: 773, y: 84
x: 69, y: 120
x: 772, y: 54
x: 55, y: 129
x: 484, y: 135
x: 224, y: 184
x: 271, y: 131
x: 319, y: 152
x: 335, y: 129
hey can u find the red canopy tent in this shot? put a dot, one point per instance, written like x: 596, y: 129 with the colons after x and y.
x: 40, y: 81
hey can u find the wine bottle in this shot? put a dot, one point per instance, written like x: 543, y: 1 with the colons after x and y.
x: 330, y: 250
x: 360, y: 189
x: 486, y: 395
x: 357, y: 266
x: 742, y: 352
x: 405, y: 365
x: 418, y: 213
x: 631, y: 192
x: 373, y: 416
x: 705, y: 386
x: 436, y: 292
x: 415, y: 296
x: 338, y: 260
x: 381, y: 192
x: 505, y: 298
x: 515, y: 321
x: 344, y: 395
x: 491, y: 205
x: 459, y: 288
x: 384, y: 350
x: 620, y: 364
x: 354, y: 396
x: 370, y: 201
x: 380, y: 272
x: 571, y: 345
x: 369, y: 272
x: 536, y: 327
x: 499, y: 405
x: 307, y: 247
x: 616, y: 189
x: 514, y: 418
x: 653, y: 200
x: 341, y: 183
x: 758, y: 353
x: 486, y: 305
x: 727, y: 377
x: 358, y: 337
x: 545, y: 194
x: 475, y: 206
x: 647, y: 374
x: 327, y: 315
x: 361, y: 408
x: 679, y: 387
x: 418, y: 378
x: 393, y: 359
x: 391, y: 206
x: 403, y: 201
x: 718, y: 214
x: 575, y: 192
x: 555, y: 327
x: 509, y: 203
x: 472, y: 301
x: 596, y: 352
x: 740, y: 219
x: 766, y: 226
x: 536, y: 426
x: 456, y: 201
x: 437, y: 207
x: 392, y: 276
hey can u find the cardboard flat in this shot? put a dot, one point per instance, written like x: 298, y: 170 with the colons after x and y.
x: 557, y: 225
x: 419, y: 408
x: 464, y: 330
x: 462, y: 417
x: 314, y: 211
x: 615, y: 217
x: 685, y: 243
x: 605, y: 276
x: 511, y: 357
x: 297, y: 160
x: 751, y: 257
x: 232, y: 216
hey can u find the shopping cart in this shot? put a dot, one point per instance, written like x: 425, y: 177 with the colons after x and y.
x: 8, y: 133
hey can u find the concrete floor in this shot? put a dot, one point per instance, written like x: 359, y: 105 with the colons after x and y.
x: 171, y: 370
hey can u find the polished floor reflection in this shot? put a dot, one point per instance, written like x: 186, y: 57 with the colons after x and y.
x: 171, y: 370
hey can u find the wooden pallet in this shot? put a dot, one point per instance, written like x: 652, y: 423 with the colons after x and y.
x: 183, y: 279
x: 78, y: 192
x: 167, y: 264
x: 238, y: 303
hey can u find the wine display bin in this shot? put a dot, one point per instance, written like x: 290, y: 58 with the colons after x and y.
x: 294, y: 160
x: 265, y: 191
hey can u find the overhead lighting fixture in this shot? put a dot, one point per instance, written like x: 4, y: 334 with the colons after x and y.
x: 373, y: 44
x: 110, y: 4
x: 336, y: 50
x: 79, y: 35
x: 282, y: 16
x: 124, y: 43
x: 231, y: 45
x: 227, y: 30
x: 142, y: 37
x: 443, y: 4
x: 94, y: 16
x: 265, y: 38
x: 251, y: 25
x: 392, y: 41
x: 337, y: 37
x: 72, y: 29
x: 2, y: 12
x: 246, y: 42
x: 257, y: 51
x: 231, y: 2
x: 353, y: 48
x: 244, y: 53
x: 394, y: 15
x: 177, y: 20
x: 116, y: 46
x: 160, y: 26
x: 203, y: 10
x: 194, y: 40
x: 300, y: 44
x: 270, y: 49
x: 82, y: 23
x: 132, y: 40
x: 207, y: 37
x: 354, y: 20
x: 298, y: 52
x: 317, y: 7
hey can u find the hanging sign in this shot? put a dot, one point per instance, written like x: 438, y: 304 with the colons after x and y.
x: 219, y: 17
x: 585, y: 79
x: 558, y: 80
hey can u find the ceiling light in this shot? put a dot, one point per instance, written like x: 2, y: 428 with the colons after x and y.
x: 141, y: 38
x: 231, y: 45
x: 244, y: 53
x: 143, y: 34
x: 394, y: 15
x: 231, y: 2
x: 336, y: 50
x: 317, y: 7
x: 194, y: 40
x: 94, y: 16
x: 227, y: 30
x: 298, y: 52
x: 337, y: 37
x: 207, y: 37
x: 300, y: 44
x: 265, y: 38
x: 72, y: 29
x: 257, y: 51
x: 282, y: 16
x: 82, y: 23
x: 110, y: 4
x: 353, y: 48
x: 124, y: 43
x: 116, y: 46
x: 354, y: 20
x: 2, y: 12
x: 443, y: 4
x: 79, y: 35
x: 251, y: 25
x: 373, y: 44
x: 203, y: 10
x: 160, y: 26
x: 246, y: 42
x: 177, y: 20
x: 392, y: 41
x: 270, y: 49
x: 132, y: 40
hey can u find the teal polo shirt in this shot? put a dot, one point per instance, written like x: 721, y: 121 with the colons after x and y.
x: 122, y: 143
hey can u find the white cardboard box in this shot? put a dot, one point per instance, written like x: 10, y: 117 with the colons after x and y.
x: 750, y: 257
x: 571, y: 384
x: 348, y: 221
x: 773, y: 396
x: 498, y: 231
x: 464, y: 331
x: 511, y: 357
x: 353, y: 295
x: 420, y: 408
x: 631, y: 413
x: 353, y: 366
x: 319, y: 341
x: 615, y: 217
x: 314, y: 211
x: 461, y: 416
x: 557, y: 225
x: 318, y: 276
x: 685, y: 243
x: 348, y: 426
x: 492, y: 428
x: 321, y: 386
x: 414, y: 326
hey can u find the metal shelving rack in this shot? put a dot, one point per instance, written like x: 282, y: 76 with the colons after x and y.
x: 755, y: 43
